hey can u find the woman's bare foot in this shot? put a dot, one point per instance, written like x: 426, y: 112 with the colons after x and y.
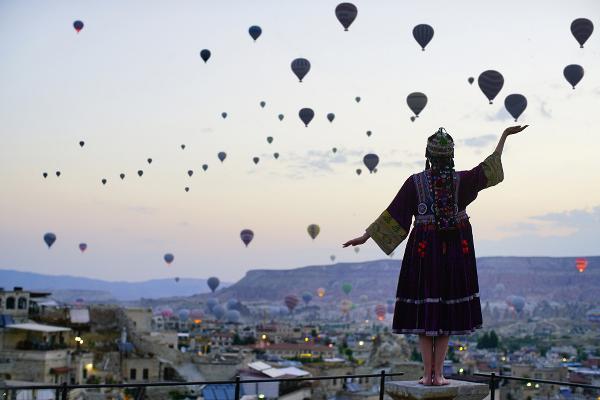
x: 426, y: 382
x: 439, y: 380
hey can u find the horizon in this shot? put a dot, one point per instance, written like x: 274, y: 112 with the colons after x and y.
x: 132, y: 85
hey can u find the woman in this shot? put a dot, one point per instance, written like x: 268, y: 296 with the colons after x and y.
x: 438, y: 291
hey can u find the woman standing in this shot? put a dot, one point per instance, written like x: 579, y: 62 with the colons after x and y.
x: 438, y: 291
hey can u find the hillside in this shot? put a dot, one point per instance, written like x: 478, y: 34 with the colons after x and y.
x: 67, y: 287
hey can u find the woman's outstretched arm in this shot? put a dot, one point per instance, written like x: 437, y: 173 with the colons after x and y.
x: 511, y: 130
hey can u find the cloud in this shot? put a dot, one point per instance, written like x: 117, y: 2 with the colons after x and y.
x: 479, y: 141
x: 546, y: 112
x: 571, y: 232
x: 500, y: 115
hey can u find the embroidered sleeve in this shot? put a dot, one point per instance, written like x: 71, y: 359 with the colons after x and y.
x: 492, y: 169
x: 387, y: 232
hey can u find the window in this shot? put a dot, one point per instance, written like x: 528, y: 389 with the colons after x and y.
x: 145, y: 374
x: 334, y: 381
x: 10, y: 303
x: 133, y: 374
x: 22, y: 303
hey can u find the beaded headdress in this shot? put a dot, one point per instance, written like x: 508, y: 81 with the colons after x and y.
x: 440, y: 144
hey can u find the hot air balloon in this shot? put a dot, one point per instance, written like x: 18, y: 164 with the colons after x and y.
x: 269, y: 139
x: 222, y: 155
x: 515, y: 104
x: 331, y: 117
x: 78, y: 25
x: 358, y: 171
x: 82, y: 247
x: 57, y: 174
x: 166, y: 312
x: 187, y: 189
x: 276, y: 155
x: 313, y: 230
x: 104, y: 181
x: 320, y: 292
x: 169, y: 258
x: 345, y: 306
x: 190, y: 173
x: 218, y: 311
x: 300, y: 67
x: 593, y: 315
x: 306, y: 297
x: 581, y: 264
x: 280, y: 116
x: 183, y: 314
x: 262, y: 104
x: 204, y: 167
x: 490, y: 82
x: 231, y: 303
x: 371, y: 161
x: 334, y: 150
x: 582, y: 29
x: 306, y: 115
x: 176, y: 279
x: 332, y: 257
x: 45, y: 174
x: 140, y: 173
x: 196, y: 315
x: 211, y: 303
x: 122, y: 176
x: 255, y: 31
x: 247, y: 235
x: 255, y: 160
x: 357, y: 99
x: 232, y: 316
x: 49, y: 238
x: 224, y: 115
x: 573, y: 74
x: 416, y: 102
x: 356, y: 249
x: 81, y: 143
x: 380, y: 312
x: 149, y: 161
x: 471, y: 80
x: 423, y: 34
x: 205, y: 55
x: 346, y: 288
x: 291, y: 301
x: 213, y: 283
x: 369, y: 133
x: 346, y: 14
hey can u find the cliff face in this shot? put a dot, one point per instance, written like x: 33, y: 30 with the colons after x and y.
x: 534, y: 277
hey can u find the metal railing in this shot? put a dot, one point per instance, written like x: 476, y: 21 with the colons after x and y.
x: 494, y: 379
x: 62, y: 390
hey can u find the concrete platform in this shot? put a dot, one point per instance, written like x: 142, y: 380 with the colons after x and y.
x: 456, y: 390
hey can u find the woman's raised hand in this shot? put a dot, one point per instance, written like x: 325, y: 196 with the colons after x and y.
x: 511, y: 130
x: 357, y: 241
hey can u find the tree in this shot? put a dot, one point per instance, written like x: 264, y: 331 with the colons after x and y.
x: 415, y: 355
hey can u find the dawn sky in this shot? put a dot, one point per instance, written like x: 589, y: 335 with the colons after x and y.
x: 131, y: 84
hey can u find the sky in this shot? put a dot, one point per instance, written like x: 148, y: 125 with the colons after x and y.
x: 131, y: 85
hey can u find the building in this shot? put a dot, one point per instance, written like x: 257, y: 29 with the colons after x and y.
x: 297, y: 350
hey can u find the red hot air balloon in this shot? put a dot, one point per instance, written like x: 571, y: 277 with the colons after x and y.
x: 581, y: 264
x: 291, y: 301
x: 380, y: 311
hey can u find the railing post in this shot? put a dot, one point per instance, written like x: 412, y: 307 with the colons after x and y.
x: 493, y: 386
x: 382, y: 385
x: 57, y: 394
x: 65, y: 391
x: 237, y: 388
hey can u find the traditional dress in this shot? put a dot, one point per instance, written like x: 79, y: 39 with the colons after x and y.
x: 438, y: 291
